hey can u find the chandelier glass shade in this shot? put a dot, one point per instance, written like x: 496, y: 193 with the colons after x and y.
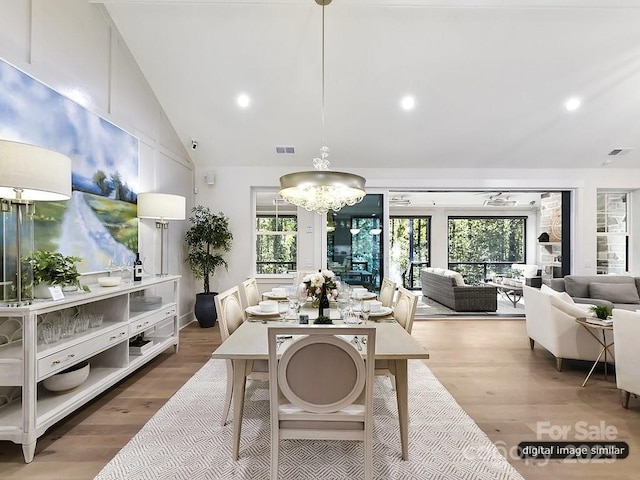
x: 321, y: 190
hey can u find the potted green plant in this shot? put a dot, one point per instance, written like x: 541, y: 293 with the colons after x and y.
x: 601, y: 311
x: 53, y: 268
x: 208, y: 239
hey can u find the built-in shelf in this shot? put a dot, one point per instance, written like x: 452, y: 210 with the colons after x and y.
x: 26, y: 363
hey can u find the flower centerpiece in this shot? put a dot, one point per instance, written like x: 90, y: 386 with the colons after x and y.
x: 314, y: 283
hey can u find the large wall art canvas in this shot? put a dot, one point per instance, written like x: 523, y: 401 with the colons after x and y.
x: 99, y: 222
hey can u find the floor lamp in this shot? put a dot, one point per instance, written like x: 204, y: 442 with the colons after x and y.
x: 29, y: 173
x: 162, y: 207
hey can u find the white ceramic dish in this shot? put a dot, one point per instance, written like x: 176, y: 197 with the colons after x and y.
x: 268, y: 306
x: 67, y: 379
x: 383, y: 312
x: 109, y: 281
x: 257, y: 312
x: 275, y: 296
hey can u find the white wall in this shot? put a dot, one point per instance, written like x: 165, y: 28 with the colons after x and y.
x: 71, y: 46
x: 231, y: 194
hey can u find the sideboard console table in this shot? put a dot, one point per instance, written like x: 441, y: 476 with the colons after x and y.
x: 149, y: 307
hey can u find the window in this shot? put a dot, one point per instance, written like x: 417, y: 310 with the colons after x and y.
x: 479, y: 245
x: 276, y: 228
x: 612, y: 237
x: 410, y: 249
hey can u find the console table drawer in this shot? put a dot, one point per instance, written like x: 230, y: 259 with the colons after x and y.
x: 139, y: 325
x: 73, y: 354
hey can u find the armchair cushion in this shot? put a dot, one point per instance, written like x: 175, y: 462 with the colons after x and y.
x: 562, y: 295
x: 573, y: 309
x: 615, y: 293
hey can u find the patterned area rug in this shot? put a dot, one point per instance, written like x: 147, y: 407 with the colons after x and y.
x: 184, y: 440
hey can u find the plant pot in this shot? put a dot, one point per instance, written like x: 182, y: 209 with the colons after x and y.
x: 205, y: 309
x: 41, y: 290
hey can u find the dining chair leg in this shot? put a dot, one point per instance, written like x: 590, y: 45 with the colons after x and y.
x: 239, y: 384
x: 368, y: 456
x: 228, y: 394
x: 392, y: 379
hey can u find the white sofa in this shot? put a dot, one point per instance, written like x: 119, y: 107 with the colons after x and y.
x: 551, y: 322
x: 626, y: 335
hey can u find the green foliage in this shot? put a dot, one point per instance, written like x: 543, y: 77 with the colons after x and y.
x: 276, y: 243
x: 119, y: 218
x: 322, y: 320
x: 485, y: 240
x: 602, y: 311
x: 53, y: 268
x: 208, y: 238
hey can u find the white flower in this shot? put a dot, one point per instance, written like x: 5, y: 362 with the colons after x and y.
x: 328, y: 273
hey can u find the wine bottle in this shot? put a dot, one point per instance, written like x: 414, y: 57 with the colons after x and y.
x: 137, y: 268
x: 323, y: 308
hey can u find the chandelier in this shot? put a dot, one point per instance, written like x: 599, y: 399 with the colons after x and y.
x: 321, y: 190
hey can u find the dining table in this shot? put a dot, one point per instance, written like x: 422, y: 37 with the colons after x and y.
x: 249, y: 342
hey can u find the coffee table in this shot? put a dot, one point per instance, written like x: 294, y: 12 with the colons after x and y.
x: 512, y: 292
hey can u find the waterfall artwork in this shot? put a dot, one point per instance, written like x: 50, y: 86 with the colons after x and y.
x: 99, y: 222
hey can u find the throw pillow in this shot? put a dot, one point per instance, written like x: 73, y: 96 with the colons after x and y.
x: 561, y: 295
x: 456, y: 276
x: 569, y: 308
x: 615, y: 292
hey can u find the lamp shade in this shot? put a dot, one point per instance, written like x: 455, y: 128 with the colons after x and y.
x: 161, y: 205
x: 33, y: 173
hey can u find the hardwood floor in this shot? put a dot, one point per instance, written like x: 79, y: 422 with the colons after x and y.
x: 485, y: 364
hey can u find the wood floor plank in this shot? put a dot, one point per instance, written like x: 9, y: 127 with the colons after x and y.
x: 486, y: 364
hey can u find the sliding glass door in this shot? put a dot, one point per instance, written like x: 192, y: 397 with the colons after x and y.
x: 355, y: 242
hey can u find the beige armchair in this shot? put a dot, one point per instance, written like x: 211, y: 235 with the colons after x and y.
x: 551, y: 322
x: 626, y: 335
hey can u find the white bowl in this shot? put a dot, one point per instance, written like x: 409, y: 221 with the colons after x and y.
x: 376, y: 306
x: 109, y: 281
x: 279, y: 292
x: 268, y: 306
x: 67, y: 379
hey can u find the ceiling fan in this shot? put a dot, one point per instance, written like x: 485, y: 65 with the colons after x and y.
x: 497, y: 200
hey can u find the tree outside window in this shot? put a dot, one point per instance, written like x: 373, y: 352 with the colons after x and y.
x: 479, y: 245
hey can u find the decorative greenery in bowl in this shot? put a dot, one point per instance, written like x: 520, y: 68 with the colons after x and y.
x: 601, y: 311
x: 323, y: 320
x: 53, y: 268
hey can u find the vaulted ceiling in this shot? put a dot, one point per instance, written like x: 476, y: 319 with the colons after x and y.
x: 490, y: 80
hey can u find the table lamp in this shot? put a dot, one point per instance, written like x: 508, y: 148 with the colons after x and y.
x: 29, y: 173
x: 162, y: 207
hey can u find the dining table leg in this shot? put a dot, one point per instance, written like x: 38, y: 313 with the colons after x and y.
x: 402, y: 396
x: 239, y: 382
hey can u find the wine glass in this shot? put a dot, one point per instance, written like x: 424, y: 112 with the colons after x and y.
x: 365, y: 311
x: 343, y: 305
x: 283, y: 310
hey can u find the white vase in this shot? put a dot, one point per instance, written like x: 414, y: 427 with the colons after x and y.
x: 41, y: 290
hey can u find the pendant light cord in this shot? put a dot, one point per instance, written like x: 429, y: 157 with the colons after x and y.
x: 322, y: 74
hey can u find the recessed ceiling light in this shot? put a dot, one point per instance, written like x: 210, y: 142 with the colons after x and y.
x: 408, y: 102
x: 572, y: 104
x: 243, y: 100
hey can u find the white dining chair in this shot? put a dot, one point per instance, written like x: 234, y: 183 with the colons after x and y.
x: 387, y: 292
x: 337, y: 404
x: 404, y: 311
x: 250, y: 292
x: 230, y: 316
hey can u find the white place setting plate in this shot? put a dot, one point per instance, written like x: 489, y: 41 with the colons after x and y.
x: 272, y: 296
x: 257, y: 312
x: 367, y: 296
x: 384, y: 311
